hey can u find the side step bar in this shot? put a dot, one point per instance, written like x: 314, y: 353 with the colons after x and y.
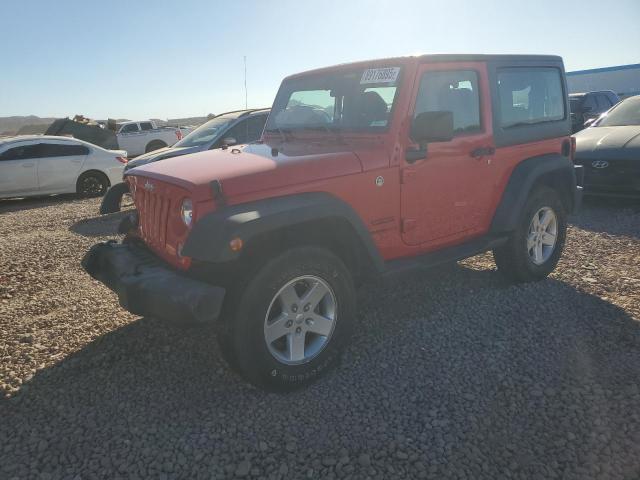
x: 447, y: 255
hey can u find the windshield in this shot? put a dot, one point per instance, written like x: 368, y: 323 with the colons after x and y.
x: 206, y: 132
x: 625, y: 113
x: 355, y: 100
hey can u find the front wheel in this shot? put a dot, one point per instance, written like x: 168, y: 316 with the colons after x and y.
x: 154, y: 145
x: 291, y: 319
x: 533, y: 250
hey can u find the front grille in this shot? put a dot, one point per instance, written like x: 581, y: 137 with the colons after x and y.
x: 153, y: 210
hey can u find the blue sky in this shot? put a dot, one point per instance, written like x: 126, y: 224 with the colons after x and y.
x: 140, y: 59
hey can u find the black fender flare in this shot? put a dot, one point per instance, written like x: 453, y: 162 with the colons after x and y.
x: 211, y: 234
x: 554, y: 169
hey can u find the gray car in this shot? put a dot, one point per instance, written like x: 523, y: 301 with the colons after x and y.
x: 609, y: 150
x: 231, y: 128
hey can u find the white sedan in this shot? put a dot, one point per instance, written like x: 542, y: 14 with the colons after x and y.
x: 43, y: 165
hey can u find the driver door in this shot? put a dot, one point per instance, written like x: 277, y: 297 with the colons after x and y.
x: 446, y: 196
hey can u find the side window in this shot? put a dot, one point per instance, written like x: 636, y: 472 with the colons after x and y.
x: 603, y: 102
x: 146, y: 126
x: 240, y: 132
x: 530, y: 95
x: 454, y: 91
x: 256, y: 125
x: 589, y: 104
x: 22, y: 152
x: 62, y: 150
x: 129, y: 128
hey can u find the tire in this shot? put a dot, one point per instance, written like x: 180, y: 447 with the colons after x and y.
x: 112, y: 200
x: 255, y: 339
x: 92, y: 184
x: 154, y: 145
x: 523, y: 264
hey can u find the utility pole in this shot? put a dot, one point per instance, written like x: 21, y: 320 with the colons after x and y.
x: 246, y: 103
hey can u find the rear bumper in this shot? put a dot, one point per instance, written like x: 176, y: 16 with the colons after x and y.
x: 146, y: 286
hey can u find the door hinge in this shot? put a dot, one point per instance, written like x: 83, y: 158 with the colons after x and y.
x: 408, y: 224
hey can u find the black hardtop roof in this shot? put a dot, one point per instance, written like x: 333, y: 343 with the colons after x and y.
x: 242, y: 113
x: 439, y: 58
x: 480, y: 57
x: 582, y: 94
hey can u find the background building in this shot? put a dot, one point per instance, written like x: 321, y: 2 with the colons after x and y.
x: 623, y: 80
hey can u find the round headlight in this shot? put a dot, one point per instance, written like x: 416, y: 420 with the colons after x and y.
x: 186, y: 211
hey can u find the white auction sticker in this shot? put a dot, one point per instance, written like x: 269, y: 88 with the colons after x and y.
x: 380, y: 75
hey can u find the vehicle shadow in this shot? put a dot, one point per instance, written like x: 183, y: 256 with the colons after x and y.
x: 615, y: 216
x: 17, y: 204
x: 99, y: 226
x: 454, y: 353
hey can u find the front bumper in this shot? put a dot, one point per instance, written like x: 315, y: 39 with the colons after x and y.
x: 617, y: 177
x: 146, y: 286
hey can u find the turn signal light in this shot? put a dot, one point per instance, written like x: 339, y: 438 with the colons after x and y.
x: 236, y: 244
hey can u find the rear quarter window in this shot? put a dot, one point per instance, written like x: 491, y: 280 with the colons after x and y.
x: 530, y: 95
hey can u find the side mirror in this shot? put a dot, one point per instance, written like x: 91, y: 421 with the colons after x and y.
x: 430, y: 127
x: 589, y: 122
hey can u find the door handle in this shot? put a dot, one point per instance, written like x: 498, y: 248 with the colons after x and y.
x: 27, y: 165
x: 76, y: 160
x: 482, y: 152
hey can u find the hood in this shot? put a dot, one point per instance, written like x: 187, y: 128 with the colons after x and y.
x: 161, y: 154
x: 609, y: 142
x: 251, y: 168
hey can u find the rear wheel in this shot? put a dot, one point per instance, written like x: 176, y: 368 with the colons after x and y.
x: 92, y: 184
x: 154, y: 145
x: 291, y: 320
x: 534, y: 249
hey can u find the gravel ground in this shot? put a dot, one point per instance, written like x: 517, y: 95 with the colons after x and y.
x: 452, y: 373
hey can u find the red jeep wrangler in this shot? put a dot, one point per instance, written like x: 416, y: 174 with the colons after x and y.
x: 362, y: 169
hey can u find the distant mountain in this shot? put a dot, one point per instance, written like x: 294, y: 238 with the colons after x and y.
x: 11, y: 125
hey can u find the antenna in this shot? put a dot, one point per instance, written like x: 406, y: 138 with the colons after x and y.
x: 246, y: 104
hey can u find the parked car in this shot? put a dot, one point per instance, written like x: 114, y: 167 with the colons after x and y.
x: 363, y: 169
x: 589, y: 106
x: 43, y: 165
x: 142, y: 137
x: 231, y: 128
x: 609, y: 150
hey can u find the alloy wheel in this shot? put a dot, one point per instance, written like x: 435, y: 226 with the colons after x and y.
x: 300, y: 320
x: 542, y: 235
x: 92, y: 186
